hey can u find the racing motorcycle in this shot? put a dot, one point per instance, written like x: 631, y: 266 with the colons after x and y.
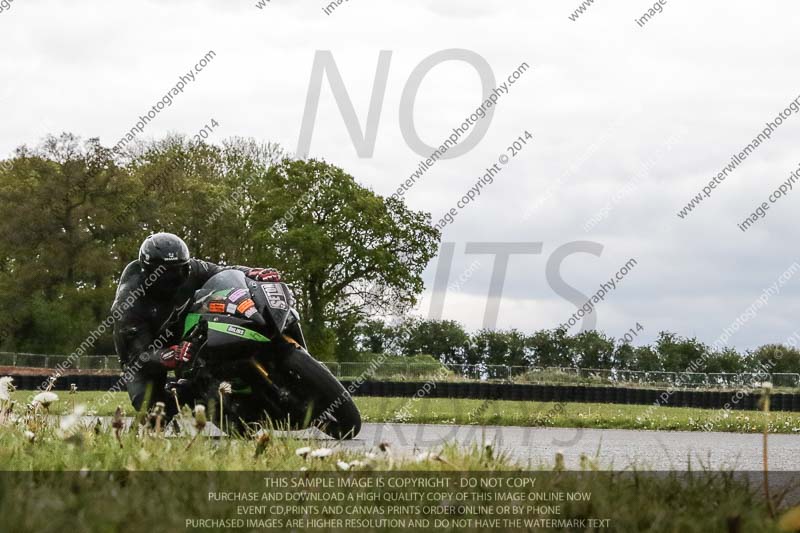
x: 247, y: 333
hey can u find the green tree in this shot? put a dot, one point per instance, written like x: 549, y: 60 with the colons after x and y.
x: 726, y: 361
x: 58, y: 252
x: 592, y: 349
x: 777, y: 357
x: 498, y: 347
x: 445, y: 340
x: 647, y: 359
x: 677, y: 353
x: 625, y: 356
x: 376, y: 336
x: 552, y: 347
x: 348, y: 252
x: 202, y: 192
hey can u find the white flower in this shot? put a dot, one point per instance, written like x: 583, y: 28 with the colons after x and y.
x: 70, y: 421
x: 302, y: 452
x: 225, y: 388
x: 6, y: 388
x: 30, y: 436
x: 321, y: 453
x: 341, y: 465
x: 45, y: 398
x: 426, y: 456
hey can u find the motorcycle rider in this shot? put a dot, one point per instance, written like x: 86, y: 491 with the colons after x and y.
x: 162, y: 283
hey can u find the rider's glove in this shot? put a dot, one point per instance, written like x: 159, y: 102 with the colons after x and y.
x: 263, y: 274
x: 177, y: 355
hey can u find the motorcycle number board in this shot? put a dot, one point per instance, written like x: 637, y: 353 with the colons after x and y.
x: 276, y: 298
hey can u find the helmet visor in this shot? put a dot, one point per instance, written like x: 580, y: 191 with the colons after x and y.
x: 168, y: 278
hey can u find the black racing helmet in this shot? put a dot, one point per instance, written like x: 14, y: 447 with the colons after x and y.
x: 167, y: 256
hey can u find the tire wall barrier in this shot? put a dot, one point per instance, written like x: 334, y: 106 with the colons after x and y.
x: 703, y: 399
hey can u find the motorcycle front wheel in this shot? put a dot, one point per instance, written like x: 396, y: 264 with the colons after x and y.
x: 318, y: 398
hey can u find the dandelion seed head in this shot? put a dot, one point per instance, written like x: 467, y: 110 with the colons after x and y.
x: 45, y: 398
x: 321, y: 453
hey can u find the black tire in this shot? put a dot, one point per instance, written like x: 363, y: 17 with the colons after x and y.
x: 331, y: 408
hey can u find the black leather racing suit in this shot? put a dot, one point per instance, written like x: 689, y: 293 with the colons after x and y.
x: 149, y: 318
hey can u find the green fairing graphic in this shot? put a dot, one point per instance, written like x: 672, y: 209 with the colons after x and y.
x: 244, y: 333
x: 237, y: 331
x: 191, y: 321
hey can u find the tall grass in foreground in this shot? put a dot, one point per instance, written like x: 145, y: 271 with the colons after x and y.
x: 105, y: 480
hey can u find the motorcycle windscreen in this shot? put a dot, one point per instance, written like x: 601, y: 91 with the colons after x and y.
x: 217, y: 287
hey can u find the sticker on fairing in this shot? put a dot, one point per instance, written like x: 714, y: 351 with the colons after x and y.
x: 244, y: 333
x: 231, y: 309
x: 216, y: 307
x: 245, y: 305
x: 237, y: 294
x: 276, y: 299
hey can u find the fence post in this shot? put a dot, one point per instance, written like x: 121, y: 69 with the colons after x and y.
x: 14, y: 360
x: 105, y: 363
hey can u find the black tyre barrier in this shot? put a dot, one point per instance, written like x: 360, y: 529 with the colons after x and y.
x: 743, y: 400
x: 749, y: 402
x: 594, y: 395
x: 696, y: 398
x: 776, y: 402
x: 621, y: 395
x: 641, y: 397
x: 517, y: 392
x: 575, y: 392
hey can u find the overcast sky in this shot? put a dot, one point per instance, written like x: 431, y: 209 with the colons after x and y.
x: 603, y: 97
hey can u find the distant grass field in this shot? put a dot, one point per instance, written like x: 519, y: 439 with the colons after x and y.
x: 511, y: 413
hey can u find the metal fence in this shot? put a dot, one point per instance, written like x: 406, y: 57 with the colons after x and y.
x: 37, y: 360
x: 556, y: 375
x: 394, y: 370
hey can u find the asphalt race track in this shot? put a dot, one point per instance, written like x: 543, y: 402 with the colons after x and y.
x: 616, y: 449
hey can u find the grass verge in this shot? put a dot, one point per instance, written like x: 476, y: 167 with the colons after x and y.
x: 511, y: 413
